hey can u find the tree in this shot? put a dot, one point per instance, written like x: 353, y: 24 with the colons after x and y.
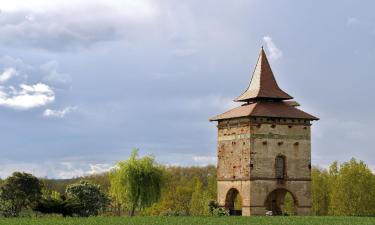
x: 352, y: 189
x: 288, y: 204
x: 117, y: 191
x: 137, y: 182
x: 19, y: 191
x: 88, y: 196
x: 199, y: 200
x: 320, y: 191
x: 180, y: 184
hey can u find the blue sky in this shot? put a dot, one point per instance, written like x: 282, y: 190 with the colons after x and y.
x: 83, y: 84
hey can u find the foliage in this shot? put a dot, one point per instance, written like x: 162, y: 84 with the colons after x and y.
x: 53, y: 203
x: 190, y: 220
x: 288, y: 204
x: 343, y: 189
x: 353, y: 190
x: 215, y: 210
x: 19, y: 191
x: 199, y: 200
x: 320, y: 189
x: 59, y: 185
x: 220, y: 212
x: 53, y: 206
x: 238, y: 202
x: 181, y: 184
x: 90, y: 198
x: 212, y: 205
x: 346, y: 189
x: 137, y: 182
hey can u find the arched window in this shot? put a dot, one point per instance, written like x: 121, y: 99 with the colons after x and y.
x: 280, y: 167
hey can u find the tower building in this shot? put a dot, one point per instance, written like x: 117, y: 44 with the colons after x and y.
x: 264, y: 149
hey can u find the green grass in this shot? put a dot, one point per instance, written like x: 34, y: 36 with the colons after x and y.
x: 191, y: 220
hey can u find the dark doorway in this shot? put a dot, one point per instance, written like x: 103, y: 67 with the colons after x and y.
x: 233, y: 202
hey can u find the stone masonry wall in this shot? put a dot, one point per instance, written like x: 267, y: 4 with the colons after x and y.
x: 234, y: 150
x: 247, y: 149
x: 291, y: 139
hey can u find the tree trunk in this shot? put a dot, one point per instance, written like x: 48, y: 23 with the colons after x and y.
x: 132, y: 211
x: 118, y: 209
x: 135, y: 203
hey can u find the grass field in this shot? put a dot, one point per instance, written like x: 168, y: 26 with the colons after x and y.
x: 191, y: 220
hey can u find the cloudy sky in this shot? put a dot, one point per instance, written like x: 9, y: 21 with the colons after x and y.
x: 83, y: 84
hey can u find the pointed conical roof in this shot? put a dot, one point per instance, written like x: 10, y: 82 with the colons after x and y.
x: 263, y: 84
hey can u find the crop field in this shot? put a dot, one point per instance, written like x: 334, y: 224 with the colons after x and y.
x: 191, y: 220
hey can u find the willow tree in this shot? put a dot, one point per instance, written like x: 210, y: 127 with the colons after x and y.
x: 136, y: 182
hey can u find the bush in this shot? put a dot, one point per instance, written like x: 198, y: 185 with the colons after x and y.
x: 68, y: 207
x: 85, y: 199
x: 220, y: 212
x: 215, y: 210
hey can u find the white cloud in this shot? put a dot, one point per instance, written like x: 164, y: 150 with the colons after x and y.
x: 54, y: 169
x: 49, y: 25
x: 139, y: 8
x: 351, y: 21
x: 99, y: 168
x: 24, y: 86
x: 68, y: 170
x: 50, y: 113
x: 27, y: 97
x: 7, y: 74
x: 205, y: 160
x: 275, y: 53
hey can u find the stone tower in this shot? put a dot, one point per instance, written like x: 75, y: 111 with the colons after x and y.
x: 264, y: 150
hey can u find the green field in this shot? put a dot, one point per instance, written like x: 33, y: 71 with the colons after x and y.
x: 191, y: 220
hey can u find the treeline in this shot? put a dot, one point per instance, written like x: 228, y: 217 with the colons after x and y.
x: 139, y: 186
x: 186, y: 191
x: 346, y: 189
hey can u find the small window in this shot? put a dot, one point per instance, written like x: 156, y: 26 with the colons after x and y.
x: 280, y: 167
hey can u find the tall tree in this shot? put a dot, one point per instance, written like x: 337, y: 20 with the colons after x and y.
x: 352, y: 190
x: 320, y: 192
x: 19, y: 191
x: 137, y: 182
x: 199, y: 200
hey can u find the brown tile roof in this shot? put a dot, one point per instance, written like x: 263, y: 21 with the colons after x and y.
x: 265, y: 109
x: 263, y: 83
